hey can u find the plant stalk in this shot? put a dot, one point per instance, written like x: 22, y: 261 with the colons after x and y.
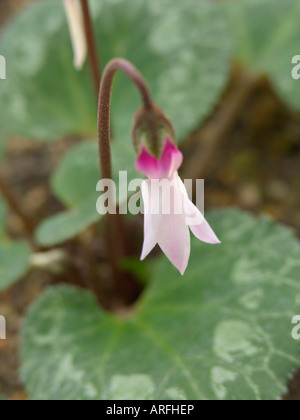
x: 94, y: 61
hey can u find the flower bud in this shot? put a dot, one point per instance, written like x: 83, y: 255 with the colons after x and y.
x: 150, y: 130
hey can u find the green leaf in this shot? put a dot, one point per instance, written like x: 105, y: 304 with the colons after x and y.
x: 43, y: 96
x: 266, y: 33
x: 221, y: 332
x: 77, y: 175
x: 74, y: 183
x: 14, y: 262
x: 139, y: 269
x: 183, y: 51
x: 66, y: 225
x: 14, y: 256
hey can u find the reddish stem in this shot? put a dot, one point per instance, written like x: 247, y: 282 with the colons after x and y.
x: 94, y: 60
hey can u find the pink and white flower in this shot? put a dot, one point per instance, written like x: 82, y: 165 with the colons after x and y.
x: 169, y: 229
x: 77, y: 31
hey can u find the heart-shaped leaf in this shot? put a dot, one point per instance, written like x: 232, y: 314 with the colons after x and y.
x: 266, y: 34
x: 221, y: 332
x: 14, y: 262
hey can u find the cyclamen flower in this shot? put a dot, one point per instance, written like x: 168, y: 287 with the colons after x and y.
x: 77, y: 31
x: 170, y: 230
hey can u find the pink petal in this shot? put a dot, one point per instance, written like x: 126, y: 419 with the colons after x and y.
x: 165, y: 167
x: 171, y: 160
x: 147, y: 164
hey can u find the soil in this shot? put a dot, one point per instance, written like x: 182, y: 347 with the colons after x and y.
x: 254, y: 165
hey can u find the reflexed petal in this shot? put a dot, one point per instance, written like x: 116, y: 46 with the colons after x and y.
x: 196, y: 221
x: 77, y: 31
x: 205, y: 233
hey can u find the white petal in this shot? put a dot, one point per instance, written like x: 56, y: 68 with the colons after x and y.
x: 172, y: 232
x: 77, y: 32
x: 169, y: 231
x: 205, y: 233
x: 175, y: 241
x: 194, y: 218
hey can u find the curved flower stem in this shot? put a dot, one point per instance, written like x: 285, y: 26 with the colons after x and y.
x: 94, y: 60
x: 104, y: 136
x: 104, y: 107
